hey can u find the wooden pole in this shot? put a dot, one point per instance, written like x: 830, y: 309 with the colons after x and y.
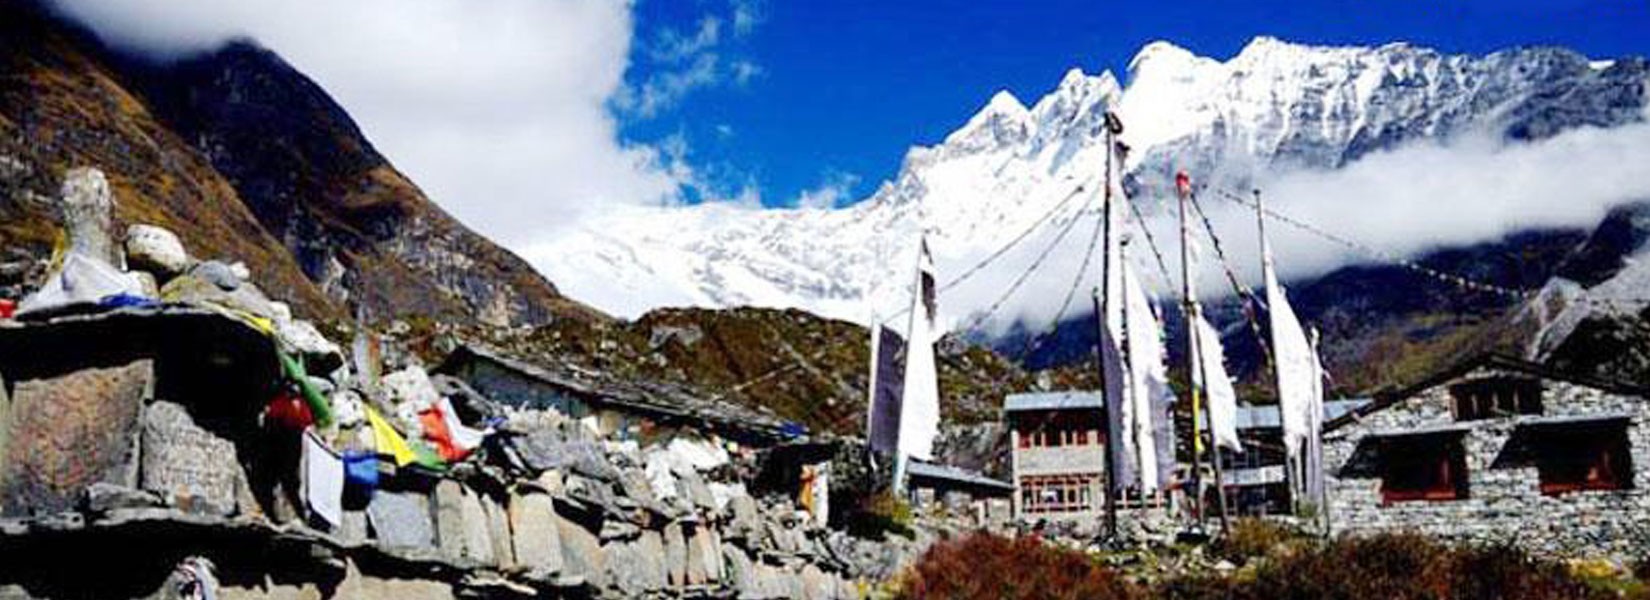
x: 1102, y: 304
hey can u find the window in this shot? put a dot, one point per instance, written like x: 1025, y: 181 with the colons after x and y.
x: 1057, y: 493
x: 1423, y: 467
x: 1584, y: 458
x: 1496, y: 397
x: 1054, y: 429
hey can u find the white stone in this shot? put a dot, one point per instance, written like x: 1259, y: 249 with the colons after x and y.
x: 156, y: 250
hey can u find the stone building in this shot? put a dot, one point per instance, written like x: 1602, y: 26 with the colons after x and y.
x: 959, y: 491
x: 1057, y: 456
x: 1498, y: 449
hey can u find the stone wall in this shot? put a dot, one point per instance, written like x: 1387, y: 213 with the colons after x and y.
x: 1503, y: 503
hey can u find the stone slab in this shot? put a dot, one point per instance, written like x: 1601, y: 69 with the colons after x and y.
x: 534, y: 538
x: 401, y: 520
x: 64, y: 433
x: 187, y: 465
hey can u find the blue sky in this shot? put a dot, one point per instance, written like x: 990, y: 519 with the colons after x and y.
x: 785, y: 98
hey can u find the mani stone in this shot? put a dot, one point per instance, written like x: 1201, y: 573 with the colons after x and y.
x: 704, y: 560
x: 676, y: 554
x: 189, y: 466
x: 498, y: 532
x: 461, y: 524
x: 534, y: 538
x: 582, y: 553
x: 156, y: 250
x: 401, y: 520
x: 63, y: 433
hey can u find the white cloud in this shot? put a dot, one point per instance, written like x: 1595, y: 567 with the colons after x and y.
x: 674, y: 47
x: 744, y: 71
x: 747, y: 14
x: 664, y: 89
x: 835, y: 191
x: 677, y: 64
x: 1403, y: 203
x: 498, y: 109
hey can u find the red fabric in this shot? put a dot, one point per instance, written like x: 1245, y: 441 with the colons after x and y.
x: 435, y: 430
x: 7, y: 309
x: 289, y: 411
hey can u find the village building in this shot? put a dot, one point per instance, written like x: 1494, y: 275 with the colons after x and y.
x: 1498, y: 449
x: 1057, y: 454
x: 960, y: 491
x: 1254, y: 478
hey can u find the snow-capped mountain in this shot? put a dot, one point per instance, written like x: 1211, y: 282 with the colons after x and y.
x: 1274, y: 107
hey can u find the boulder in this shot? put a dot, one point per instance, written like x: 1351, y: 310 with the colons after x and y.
x: 210, y: 283
x: 319, y: 354
x: 156, y: 250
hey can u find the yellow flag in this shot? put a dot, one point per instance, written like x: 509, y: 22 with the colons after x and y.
x: 388, y: 441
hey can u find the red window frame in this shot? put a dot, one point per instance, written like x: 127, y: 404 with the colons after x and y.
x: 1425, y: 468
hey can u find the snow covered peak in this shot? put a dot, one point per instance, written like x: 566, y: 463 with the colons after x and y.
x: 1003, y: 122
x: 1160, y: 55
x: 1274, y: 106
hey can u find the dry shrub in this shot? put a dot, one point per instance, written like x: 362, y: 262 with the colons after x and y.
x: 988, y: 567
x: 1250, y: 537
x: 1397, y: 566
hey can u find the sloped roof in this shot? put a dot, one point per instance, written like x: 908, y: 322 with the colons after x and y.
x: 653, y: 397
x: 954, y: 474
x: 1488, y: 360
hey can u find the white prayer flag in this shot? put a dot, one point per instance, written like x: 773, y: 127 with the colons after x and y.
x: 1217, y: 386
x: 919, y: 421
x: 323, y: 480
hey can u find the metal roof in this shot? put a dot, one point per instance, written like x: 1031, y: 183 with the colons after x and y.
x: 1536, y: 421
x: 1267, y: 416
x: 948, y: 473
x: 1066, y: 400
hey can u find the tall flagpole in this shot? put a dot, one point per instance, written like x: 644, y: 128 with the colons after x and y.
x: 1102, y: 305
x: 1199, y: 372
x: 1291, y: 463
x: 1193, y: 375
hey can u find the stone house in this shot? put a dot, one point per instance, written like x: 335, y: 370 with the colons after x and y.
x: 1497, y: 449
x: 959, y: 491
x: 1057, y: 444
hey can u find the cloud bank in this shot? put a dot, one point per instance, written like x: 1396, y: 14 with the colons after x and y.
x: 501, y: 110
x: 1404, y: 202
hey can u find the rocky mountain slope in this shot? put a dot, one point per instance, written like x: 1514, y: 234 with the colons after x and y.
x: 243, y: 156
